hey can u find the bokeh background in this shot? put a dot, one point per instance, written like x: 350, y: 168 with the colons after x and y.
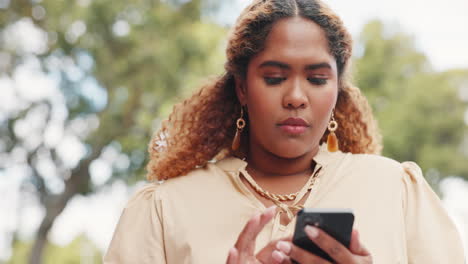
x: 84, y: 83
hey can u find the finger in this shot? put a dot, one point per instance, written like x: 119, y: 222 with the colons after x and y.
x: 252, y: 229
x: 265, y: 217
x: 296, y: 253
x: 287, y: 260
x: 284, y: 247
x: 330, y: 245
x: 246, y: 241
x: 356, y: 246
x: 303, y: 256
x: 233, y: 257
x: 265, y: 255
x: 246, y: 237
x: 277, y: 257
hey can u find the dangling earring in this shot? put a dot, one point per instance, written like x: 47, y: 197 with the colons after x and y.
x: 332, y: 140
x: 240, y: 126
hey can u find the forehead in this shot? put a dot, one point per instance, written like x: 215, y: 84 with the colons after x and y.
x: 296, y: 39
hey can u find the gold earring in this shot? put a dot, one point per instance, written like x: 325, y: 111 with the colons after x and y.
x: 240, y: 126
x: 332, y: 140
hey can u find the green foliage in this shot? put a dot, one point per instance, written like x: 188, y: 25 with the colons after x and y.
x: 80, y: 250
x: 420, y: 112
x: 119, y: 65
x: 140, y: 56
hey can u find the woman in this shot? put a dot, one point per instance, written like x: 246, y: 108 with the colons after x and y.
x: 270, y: 126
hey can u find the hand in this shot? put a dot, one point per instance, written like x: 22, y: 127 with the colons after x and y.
x: 356, y: 254
x: 244, y: 250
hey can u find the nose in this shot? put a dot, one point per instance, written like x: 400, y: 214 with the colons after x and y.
x: 295, y: 97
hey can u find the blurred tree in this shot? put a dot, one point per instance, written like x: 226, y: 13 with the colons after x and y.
x: 119, y: 66
x: 420, y: 112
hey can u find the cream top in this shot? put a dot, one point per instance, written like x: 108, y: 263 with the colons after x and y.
x: 196, y: 218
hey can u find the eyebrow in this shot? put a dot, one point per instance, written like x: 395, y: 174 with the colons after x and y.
x: 285, y: 66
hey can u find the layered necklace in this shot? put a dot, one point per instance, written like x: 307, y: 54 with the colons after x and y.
x: 279, y: 199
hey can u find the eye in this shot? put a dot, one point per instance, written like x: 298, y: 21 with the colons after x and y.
x: 317, y: 81
x: 273, y: 80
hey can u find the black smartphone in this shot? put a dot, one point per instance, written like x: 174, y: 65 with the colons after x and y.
x: 338, y: 223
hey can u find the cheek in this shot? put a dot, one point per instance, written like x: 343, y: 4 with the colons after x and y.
x: 327, y: 100
x: 322, y: 105
x: 261, y: 101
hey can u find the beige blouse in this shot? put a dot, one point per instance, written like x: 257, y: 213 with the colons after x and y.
x: 196, y: 218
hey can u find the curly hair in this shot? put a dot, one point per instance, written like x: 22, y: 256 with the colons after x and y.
x: 202, y: 127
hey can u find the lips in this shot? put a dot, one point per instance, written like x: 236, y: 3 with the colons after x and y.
x: 294, y: 125
x: 294, y: 121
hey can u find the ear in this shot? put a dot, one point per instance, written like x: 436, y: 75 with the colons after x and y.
x: 241, y: 90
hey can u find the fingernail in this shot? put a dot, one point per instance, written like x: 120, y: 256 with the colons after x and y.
x: 270, y: 210
x: 284, y: 246
x: 233, y: 252
x: 277, y: 256
x: 255, y: 217
x: 312, y: 231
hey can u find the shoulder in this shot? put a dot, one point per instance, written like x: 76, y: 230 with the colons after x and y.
x: 209, y: 172
x: 155, y: 192
x: 384, y: 166
x: 215, y: 175
x: 374, y: 162
x: 148, y: 194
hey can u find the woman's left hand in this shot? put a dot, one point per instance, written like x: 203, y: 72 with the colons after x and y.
x: 356, y: 254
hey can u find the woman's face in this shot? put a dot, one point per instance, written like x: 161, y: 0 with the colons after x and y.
x: 290, y: 89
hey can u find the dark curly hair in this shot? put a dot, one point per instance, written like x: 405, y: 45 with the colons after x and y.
x: 202, y: 127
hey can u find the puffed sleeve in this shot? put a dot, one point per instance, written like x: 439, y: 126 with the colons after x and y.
x: 430, y: 233
x: 138, y: 237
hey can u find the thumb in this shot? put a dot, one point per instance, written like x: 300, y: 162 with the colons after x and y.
x: 355, y: 245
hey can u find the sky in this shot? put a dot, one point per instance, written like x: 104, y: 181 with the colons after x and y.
x: 439, y: 29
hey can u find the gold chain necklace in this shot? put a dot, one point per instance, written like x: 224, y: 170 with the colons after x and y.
x: 281, y: 197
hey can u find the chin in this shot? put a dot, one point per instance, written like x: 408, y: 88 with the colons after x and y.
x: 290, y: 152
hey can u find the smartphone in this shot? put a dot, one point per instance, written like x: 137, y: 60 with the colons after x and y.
x: 338, y: 223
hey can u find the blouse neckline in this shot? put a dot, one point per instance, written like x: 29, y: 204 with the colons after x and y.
x: 235, y: 164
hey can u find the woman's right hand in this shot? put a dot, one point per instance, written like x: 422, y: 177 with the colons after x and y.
x: 243, y: 251
x: 355, y: 254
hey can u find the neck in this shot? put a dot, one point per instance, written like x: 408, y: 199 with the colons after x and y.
x: 266, y: 163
